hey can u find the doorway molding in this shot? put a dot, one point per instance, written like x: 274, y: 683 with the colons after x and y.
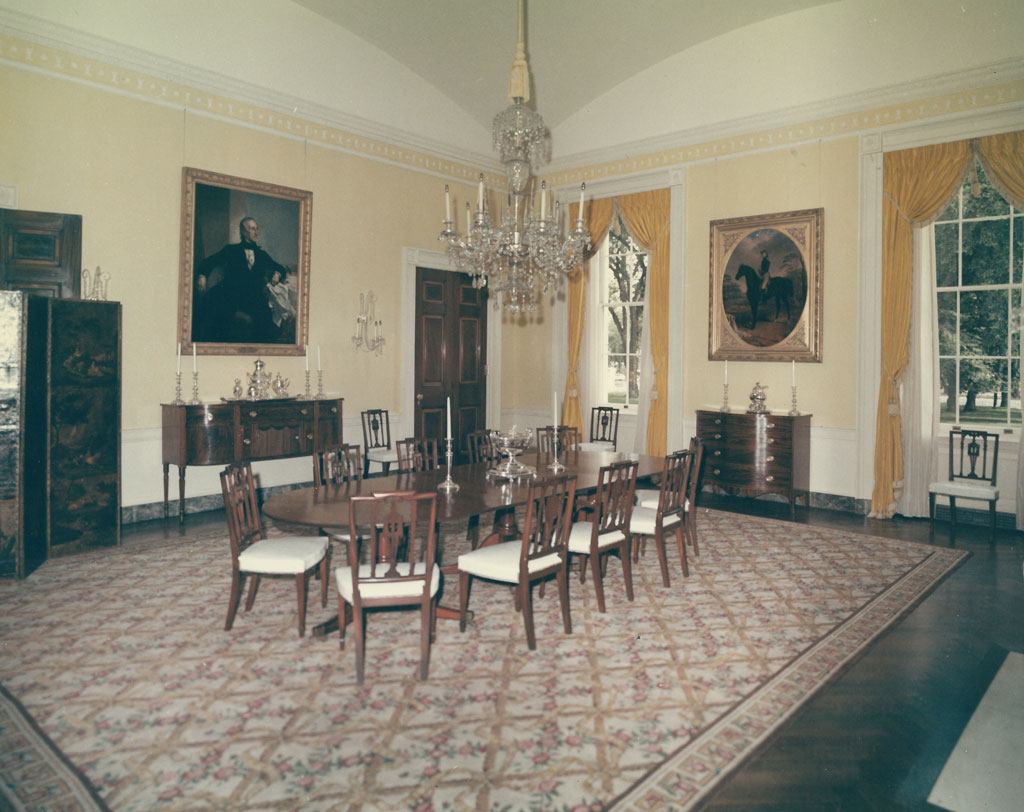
x: 413, y: 258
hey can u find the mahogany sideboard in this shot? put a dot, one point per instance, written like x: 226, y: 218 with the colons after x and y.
x: 235, y: 431
x: 757, y: 453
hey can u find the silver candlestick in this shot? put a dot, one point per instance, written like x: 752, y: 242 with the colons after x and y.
x: 195, y: 388
x: 308, y: 397
x: 448, y: 486
x: 794, y: 411
x: 725, y: 398
x: 319, y: 383
x: 177, y: 390
x: 555, y: 466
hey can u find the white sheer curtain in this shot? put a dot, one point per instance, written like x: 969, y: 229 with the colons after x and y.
x: 646, y: 381
x: 919, y: 394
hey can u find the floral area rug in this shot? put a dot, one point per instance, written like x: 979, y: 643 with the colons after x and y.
x: 121, y: 658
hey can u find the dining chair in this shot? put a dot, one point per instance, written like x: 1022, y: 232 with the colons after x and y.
x: 606, y: 529
x: 669, y: 515
x: 650, y: 497
x: 417, y: 454
x: 568, y: 438
x: 337, y: 465
x: 254, y: 555
x: 394, y: 571
x: 478, y: 446
x: 377, y: 440
x: 604, y: 426
x: 973, y: 459
x: 538, y: 554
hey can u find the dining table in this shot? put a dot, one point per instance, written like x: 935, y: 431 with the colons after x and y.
x: 480, y: 492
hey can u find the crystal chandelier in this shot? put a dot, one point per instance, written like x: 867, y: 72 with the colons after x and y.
x: 524, y: 254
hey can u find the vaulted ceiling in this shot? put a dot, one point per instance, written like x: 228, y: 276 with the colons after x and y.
x: 577, y: 50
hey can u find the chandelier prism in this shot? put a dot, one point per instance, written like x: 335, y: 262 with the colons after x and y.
x: 525, y: 254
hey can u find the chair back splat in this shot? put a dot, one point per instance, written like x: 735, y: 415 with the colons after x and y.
x: 478, y: 446
x: 377, y: 439
x: 417, y: 454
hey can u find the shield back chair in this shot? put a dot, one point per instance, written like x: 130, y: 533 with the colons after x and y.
x: 669, y: 516
x: 253, y: 555
x: 377, y: 440
x: 568, y: 438
x: 337, y: 465
x: 604, y: 429
x: 417, y: 454
x: 399, y: 568
x: 973, y: 456
x: 606, y: 529
x: 540, y: 553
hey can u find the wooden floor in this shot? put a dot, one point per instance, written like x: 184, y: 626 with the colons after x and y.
x: 878, y: 736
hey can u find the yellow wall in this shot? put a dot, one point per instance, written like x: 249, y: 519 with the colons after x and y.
x: 117, y: 161
x: 822, y: 175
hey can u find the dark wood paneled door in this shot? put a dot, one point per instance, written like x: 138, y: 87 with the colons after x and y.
x: 451, y: 355
x: 41, y: 252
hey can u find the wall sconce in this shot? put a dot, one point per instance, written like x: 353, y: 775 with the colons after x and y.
x: 369, y: 332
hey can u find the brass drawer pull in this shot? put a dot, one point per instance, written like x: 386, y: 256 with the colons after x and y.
x: 304, y: 411
x: 246, y: 441
x: 253, y: 414
x: 718, y: 453
x: 718, y: 471
x: 309, y: 436
x: 770, y: 458
x: 209, y: 417
x: 769, y: 479
x: 718, y: 421
x: 769, y: 425
x: 771, y: 440
x: 718, y: 436
x: 334, y: 410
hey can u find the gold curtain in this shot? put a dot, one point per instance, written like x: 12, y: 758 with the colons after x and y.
x: 1002, y: 157
x: 647, y: 217
x: 597, y: 223
x: 917, y: 186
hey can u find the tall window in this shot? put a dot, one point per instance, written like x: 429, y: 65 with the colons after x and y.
x: 979, y: 244
x: 622, y: 285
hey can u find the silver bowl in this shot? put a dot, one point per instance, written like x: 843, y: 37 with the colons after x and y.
x: 511, y: 443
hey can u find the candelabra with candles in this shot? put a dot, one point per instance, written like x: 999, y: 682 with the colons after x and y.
x: 369, y: 331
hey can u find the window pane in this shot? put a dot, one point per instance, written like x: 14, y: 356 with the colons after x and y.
x: 983, y: 382
x: 638, y: 278
x: 1015, y: 321
x: 615, y: 329
x: 636, y: 324
x: 983, y: 323
x: 617, y: 280
x: 946, y: 256
x: 987, y: 203
x: 947, y: 323
x: 634, y: 379
x: 953, y: 211
x: 947, y: 385
x: 615, y: 380
x: 986, y: 255
x: 1018, y: 249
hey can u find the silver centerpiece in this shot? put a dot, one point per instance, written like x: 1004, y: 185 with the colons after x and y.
x: 757, y: 399
x: 511, y: 443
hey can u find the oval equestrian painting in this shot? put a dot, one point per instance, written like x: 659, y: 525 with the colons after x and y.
x: 764, y: 287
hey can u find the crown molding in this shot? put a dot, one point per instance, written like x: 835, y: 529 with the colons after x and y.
x: 300, y: 110
x: 903, y: 104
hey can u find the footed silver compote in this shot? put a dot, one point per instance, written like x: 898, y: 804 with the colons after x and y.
x: 511, y: 443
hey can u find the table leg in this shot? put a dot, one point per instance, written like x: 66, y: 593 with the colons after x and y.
x: 167, y: 483
x: 181, y: 494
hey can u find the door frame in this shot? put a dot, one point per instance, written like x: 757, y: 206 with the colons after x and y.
x: 413, y: 258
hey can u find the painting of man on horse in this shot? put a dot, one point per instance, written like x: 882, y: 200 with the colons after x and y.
x: 764, y: 287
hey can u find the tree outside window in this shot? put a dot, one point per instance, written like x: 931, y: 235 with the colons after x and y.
x: 979, y: 245
x: 622, y: 287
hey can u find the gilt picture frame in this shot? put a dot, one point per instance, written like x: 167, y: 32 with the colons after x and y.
x: 765, y: 300
x: 243, y: 287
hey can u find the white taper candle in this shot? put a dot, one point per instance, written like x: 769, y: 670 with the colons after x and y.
x: 448, y: 417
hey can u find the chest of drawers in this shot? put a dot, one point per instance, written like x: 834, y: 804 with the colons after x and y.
x: 756, y: 453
